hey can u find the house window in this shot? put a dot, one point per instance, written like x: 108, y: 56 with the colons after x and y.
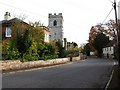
x: 8, y: 32
x: 55, y: 23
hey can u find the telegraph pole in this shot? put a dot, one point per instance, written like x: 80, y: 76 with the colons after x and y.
x: 117, y: 30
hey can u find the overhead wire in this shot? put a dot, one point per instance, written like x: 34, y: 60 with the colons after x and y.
x: 44, y: 16
x: 111, y: 1
x: 22, y: 9
x: 107, y: 16
x: 109, y: 12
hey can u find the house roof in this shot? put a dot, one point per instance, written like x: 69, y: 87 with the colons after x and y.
x: 8, y: 22
x: 111, y: 43
x: 12, y: 21
x: 45, y: 28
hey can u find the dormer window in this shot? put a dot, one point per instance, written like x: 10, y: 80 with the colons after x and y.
x: 55, y: 23
x: 8, y: 32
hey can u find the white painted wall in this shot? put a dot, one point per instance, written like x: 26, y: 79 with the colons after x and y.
x: 108, y: 50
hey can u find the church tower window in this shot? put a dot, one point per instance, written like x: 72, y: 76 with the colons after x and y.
x: 55, y: 23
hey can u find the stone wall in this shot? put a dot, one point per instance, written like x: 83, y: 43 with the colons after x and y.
x: 9, y: 65
x: 75, y: 58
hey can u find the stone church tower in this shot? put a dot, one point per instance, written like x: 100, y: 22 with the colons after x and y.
x: 56, y: 26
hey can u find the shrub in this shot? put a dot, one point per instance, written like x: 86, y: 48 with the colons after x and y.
x: 31, y: 54
x: 72, y: 53
x: 9, y: 52
x: 47, y: 51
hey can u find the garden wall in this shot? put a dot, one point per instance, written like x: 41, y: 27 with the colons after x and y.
x: 9, y: 65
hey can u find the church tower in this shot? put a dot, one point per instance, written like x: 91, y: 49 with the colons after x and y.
x: 56, y: 26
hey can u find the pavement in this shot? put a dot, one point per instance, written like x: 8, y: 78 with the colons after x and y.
x: 88, y: 73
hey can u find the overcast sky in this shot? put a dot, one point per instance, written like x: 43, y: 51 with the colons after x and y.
x: 79, y: 15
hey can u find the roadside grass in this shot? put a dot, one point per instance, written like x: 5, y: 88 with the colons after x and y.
x: 115, y: 82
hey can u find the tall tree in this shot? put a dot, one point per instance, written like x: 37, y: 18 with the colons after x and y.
x: 100, y: 41
x: 37, y: 32
x: 93, y: 33
x: 32, y: 40
x: 108, y: 29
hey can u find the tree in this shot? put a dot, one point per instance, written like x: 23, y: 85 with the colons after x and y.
x: 112, y: 27
x: 87, y: 49
x: 31, y: 53
x: 108, y: 29
x: 23, y: 42
x: 75, y: 44
x: 36, y: 31
x: 61, y: 49
x: 100, y: 41
x: 92, y: 35
x: 30, y: 42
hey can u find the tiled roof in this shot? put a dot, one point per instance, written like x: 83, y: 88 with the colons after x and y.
x: 11, y: 21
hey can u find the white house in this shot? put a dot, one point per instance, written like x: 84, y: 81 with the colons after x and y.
x: 108, y: 51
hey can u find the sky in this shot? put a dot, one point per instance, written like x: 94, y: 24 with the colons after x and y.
x: 79, y: 15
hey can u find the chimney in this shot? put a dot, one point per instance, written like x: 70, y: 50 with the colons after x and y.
x: 7, y: 16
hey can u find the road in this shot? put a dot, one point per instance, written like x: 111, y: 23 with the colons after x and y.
x: 89, y: 73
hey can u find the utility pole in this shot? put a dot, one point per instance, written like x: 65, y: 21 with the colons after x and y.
x: 117, y: 30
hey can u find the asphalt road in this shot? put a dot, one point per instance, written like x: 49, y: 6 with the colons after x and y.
x: 89, y: 73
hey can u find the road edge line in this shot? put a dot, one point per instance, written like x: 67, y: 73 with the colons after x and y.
x: 108, y: 83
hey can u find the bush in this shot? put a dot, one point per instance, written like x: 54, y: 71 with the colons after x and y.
x: 10, y: 53
x: 31, y: 54
x: 47, y: 51
x: 72, y: 53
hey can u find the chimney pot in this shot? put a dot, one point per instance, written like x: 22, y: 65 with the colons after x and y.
x: 7, y: 16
